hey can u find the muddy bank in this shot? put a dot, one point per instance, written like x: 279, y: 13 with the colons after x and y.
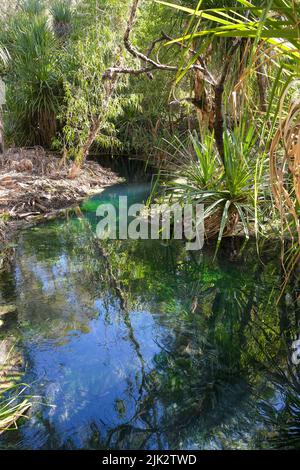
x: 34, y: 186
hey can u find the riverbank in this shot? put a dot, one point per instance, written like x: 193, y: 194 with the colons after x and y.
x: 34, y: 186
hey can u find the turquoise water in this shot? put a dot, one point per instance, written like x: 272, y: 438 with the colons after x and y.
x: 141, y: 344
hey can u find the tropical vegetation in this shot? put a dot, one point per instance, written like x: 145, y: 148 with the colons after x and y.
x: 208, y: 96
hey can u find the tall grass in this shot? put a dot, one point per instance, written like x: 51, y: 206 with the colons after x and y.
x: 61, y: 11
x: 3, y: 55
x: 13, y: 406
x: 13, y: 402
x: 33, y: 7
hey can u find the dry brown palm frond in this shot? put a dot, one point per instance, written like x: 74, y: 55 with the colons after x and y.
x: 212, y: 223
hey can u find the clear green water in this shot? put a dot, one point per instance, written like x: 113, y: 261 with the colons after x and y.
x: 140, y: 344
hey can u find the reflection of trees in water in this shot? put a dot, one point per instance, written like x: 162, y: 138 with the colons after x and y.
x: 283, y: 414
x: 225, y: 335
x: 199, y: 381
x: 67, y: 272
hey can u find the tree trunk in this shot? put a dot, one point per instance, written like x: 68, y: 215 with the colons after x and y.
x: 262, y: 85
x: 83, y: 153
x: 219, y: 121
x: 219, y: 90
x: 200, y: 97
x: 110, y: 86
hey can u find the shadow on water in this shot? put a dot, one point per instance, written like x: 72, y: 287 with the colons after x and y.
x: 141, y: 344
x: 132, y: 169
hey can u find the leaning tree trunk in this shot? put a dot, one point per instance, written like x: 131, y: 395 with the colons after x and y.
x: 84, y: 150
x: 110, y: 84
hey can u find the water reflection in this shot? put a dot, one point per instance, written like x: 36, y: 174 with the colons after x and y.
x: 140, y: 344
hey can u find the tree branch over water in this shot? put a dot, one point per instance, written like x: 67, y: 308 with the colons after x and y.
x: 153, y: 65
x: 110, y: 78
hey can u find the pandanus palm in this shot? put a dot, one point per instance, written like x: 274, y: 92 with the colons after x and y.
x: 277, y: 23
x: 35, y: 81
x: 276, y: 26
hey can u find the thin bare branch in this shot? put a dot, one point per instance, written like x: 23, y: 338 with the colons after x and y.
x: 153, y: 65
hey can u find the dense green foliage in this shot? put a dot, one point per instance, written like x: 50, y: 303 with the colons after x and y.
x: 225, y: 74
x: 54, y: 79
x: 210, y: 96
